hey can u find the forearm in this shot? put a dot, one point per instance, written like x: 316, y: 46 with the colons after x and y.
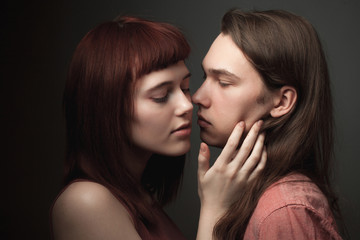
x: 207, y: 221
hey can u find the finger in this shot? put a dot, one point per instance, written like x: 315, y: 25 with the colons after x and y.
x: 247, y: 145
x: 231, y: 144
x: 203, y: 160
x: 260, y: 167
x: 255, y: 155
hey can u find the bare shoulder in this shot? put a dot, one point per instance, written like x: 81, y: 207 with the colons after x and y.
x: 84, y: 195
x: 88, y: 210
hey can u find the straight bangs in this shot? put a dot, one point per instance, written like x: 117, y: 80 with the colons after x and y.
x: 153, y: 46
x: 98, y: 108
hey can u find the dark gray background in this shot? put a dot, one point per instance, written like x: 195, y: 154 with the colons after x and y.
x: 37, y: 40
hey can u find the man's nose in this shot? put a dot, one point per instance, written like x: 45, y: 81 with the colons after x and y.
x: 200, y: 97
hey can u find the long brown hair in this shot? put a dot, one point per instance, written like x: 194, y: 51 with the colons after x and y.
x: 285, y: 49
x: 98, y: 106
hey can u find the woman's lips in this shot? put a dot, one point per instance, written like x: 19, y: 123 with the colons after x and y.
x: 183, y: 131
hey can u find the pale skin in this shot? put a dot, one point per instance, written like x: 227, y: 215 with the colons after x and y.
x: 87, y: 210
x: 232, y: 91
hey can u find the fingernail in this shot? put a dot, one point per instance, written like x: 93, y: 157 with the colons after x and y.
x: 260, y: 122
x: 202, y: 147
x: 241, y: 124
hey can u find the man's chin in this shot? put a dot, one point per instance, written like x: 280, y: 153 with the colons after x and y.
x: 212, y: 140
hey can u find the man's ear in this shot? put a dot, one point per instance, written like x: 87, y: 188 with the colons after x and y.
x: 284, y: 100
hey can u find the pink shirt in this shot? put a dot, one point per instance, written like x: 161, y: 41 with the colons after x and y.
x: 292, y: 208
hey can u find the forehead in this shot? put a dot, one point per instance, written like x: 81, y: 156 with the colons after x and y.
x: 174, y: 73
x: 225, y: 54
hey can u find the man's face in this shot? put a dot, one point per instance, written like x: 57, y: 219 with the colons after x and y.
x: 231, y: 92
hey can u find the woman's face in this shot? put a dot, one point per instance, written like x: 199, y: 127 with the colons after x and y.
x: 163, y: 111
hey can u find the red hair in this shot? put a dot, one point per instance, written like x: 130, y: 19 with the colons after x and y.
x: 98, y: 105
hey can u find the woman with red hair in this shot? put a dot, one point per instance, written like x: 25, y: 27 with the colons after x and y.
x: 128, y: 120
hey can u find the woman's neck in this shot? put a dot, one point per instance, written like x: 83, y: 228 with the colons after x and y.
x: 135, y: 160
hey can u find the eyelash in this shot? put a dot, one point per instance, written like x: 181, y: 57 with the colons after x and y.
x: 222, y: 84
x: 162, y: 99
x: 166, y: 97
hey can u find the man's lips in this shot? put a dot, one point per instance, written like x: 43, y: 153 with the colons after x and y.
x: 202, y: 122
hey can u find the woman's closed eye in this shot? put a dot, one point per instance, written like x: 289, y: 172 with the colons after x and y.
x: 161, y: 98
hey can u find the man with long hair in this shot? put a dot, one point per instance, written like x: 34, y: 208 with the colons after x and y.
x: 270, y: 65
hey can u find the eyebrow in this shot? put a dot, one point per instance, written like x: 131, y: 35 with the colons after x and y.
x: 167, y: 83
x: 222, y: 72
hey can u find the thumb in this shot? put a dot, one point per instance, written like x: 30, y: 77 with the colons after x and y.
x: 203, y: 160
